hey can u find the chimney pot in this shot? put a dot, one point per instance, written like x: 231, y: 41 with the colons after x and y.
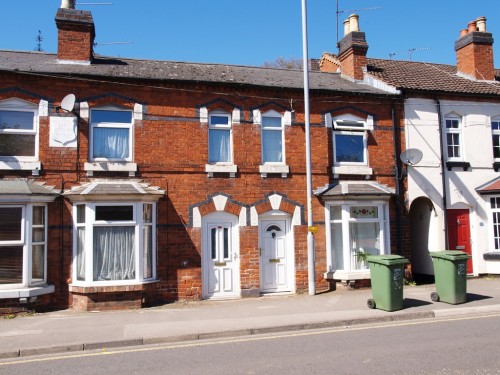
x: 68, y: 4
x: 354, y: 22
x: 472, y: 26
x: 347, y: 27
x: 463, y: 32
x: 481, y: 24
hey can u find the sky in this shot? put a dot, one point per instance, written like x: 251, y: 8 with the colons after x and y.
x: 252, y: 32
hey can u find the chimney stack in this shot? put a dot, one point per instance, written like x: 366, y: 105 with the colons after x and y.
x: 474, y: 50
x: 353, y: 49
x: 76, y: 34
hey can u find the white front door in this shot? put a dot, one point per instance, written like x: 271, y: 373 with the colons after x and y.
x: 220, y: 257
x: 276, y: 261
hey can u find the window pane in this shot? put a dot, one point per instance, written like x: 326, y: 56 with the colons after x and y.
x: 105, y: 116
x: 336, y: 213
x: 226, y: 243
x: 17, y: 145
x: 11, y: 264
x: 213, y: 242
x: 365, y: 237
x: 111, y: 143
x: 38, y: 262
x: 364, y: 212
x: 219, y: 146
x: 147, y: 251
x: 114, y: 253
x: 80, y: 214
x: 114, y: 213
x: 10, y: 223
x: 452, y: 124
x: 272, y: 147
x: 495, y: 125
x: 38, y: 215
x: 496, y: 146
x: 80, y: 254
x: 219, y: 120
x: 16, y: 120
x: 271, y: 122
x: 349, y: 148
x: 147, y: 213
x: 337, y: 247
x: 38, y: 234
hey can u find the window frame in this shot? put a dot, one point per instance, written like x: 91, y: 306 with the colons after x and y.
x: 345, y: 221
x: 273, y: 114
x: 221, y: 127
x: 18, y: 105
x: 349, y: 124
x: 27, y: 242
x: 114, y: 125
x: 452, y: 131
x: 495, y: 133
x: 89, y: 223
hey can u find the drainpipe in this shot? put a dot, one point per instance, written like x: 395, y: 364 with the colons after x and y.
x: 397, y: 168
x: 443, y: 170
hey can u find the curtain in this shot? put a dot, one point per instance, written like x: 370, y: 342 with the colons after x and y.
x: 219, y: 146
x: 111, y: 143
x: 114, y: 253
x: 80, y: 254
x: 272, y: 149
x: 147, y: 251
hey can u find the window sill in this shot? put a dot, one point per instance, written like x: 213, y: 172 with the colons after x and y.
x: 352, y: 170
x: 90, y: 289
x: 266, y: 169
x: 347, y: 275
x: 33, y: 166
x: 26, y: 292
x: 457, y: 164
x: 90, y: 168
x: 221, y: 168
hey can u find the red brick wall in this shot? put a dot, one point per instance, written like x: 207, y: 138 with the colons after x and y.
x: 171, y: 146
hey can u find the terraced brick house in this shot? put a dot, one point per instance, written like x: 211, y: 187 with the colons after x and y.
x: 127, y: 183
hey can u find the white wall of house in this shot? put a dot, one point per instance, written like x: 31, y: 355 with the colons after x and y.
x: 424, y: 178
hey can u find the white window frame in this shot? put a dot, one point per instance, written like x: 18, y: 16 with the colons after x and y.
x: 495, y: 133
x: 26, y: 242
x: 457, y: 131
x: 349, y: 272
x: 361, y: 134
x: 228, y: 127
x: 495, y: 242
x: 18, y: 105
x: 89, y: 225
x: 118, y: 125
x: 273, y: 114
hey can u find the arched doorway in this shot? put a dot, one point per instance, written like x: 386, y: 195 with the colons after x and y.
x: 422, y: 225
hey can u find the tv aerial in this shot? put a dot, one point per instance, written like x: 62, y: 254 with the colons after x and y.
x: 411, y: 156
x: 409, y: 52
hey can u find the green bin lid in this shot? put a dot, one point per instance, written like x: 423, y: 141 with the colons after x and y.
x: 450, y: 255
x: 387, y: 260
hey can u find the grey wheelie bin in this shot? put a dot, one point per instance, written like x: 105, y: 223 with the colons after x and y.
x: 387, y: 273
x: 450, y: 274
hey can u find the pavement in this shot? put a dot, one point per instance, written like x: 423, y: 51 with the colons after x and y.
x: 73, y: 331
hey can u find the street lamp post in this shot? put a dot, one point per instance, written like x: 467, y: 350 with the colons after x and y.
x: 310, y: 236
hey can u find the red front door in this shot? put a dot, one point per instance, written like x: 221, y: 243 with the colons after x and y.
x: 459, y: 233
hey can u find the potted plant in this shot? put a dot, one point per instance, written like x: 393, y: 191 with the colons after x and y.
x: 361, y: 258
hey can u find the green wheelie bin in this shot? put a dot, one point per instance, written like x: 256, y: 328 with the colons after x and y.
x: 450, y: 274
x: 387, y: 274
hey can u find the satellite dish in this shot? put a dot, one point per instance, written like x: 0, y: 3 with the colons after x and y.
x: 411, y: 156
x: 68, y: 103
